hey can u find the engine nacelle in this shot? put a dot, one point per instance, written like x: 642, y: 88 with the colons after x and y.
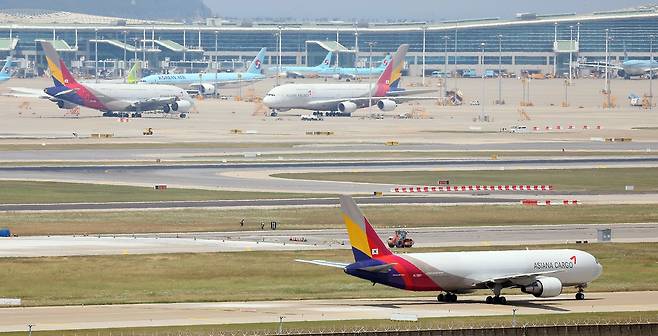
x: 182, y: 106
x: 386, y: 105
x: 347, y: 107
x: 621, y: 73
x: 65, y: 105
x: 544, y: 287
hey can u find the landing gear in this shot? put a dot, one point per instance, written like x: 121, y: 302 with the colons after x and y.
x: 274, y: 113
x: 183, y: 115
x: 496, y: 299
x: 448, y: 297
x: 580, y: 295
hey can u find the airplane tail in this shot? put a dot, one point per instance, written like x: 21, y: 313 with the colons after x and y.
x: 385, y: 62
x: 393, y: 71
x: 326, y: 63
x: 58, y: 70
x: 133, y: 75
x: 363, y: 238
x: 257, y: 63
x: 6, y: 67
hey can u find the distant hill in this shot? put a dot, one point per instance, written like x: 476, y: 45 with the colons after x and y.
x: 133, y: 9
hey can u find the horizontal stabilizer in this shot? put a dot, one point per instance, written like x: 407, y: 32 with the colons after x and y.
x: 324, y: 263
x: 378, y: 268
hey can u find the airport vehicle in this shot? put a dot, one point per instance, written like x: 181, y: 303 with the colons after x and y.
x: 303, y: 71
x: 518, y: 129
x: 208, y: 83
x: 542, y: 273
x: 110, y: 98
x: 344, y: 97
x: 400, y: 239
x: 4, y: 73
x: 470, y: 73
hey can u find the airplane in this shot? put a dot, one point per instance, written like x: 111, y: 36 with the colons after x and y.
x: 628, y: 68
x: 354, y: 73
x: 5, y: 75
x: 345, y: 97
x: 127, y: 99
x: 208, y: 82
x: 542, y: 273
x: 302, y: 71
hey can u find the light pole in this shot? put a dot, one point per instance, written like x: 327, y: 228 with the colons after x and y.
x: 370, y: 45
x: 570, y: 51
x: 651, y: 38
x: 482, y: 99
x: 96, y: 54
x: 424, y: 44
x: 445, y: 64
x: 555, y: 49
x: 455, y: 56
x: 607, y: 61
x: 125, y: 36
x: 500, y: 70
x: 216, y: 44
x: 135, y: 39
x: 280, y: 37
x: 356, y: 49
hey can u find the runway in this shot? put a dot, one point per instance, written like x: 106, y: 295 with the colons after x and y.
x: 255, y: 176
x: 175, y: 314
x: 484, y: 236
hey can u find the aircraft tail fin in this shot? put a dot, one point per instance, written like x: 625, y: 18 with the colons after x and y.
x: 385, y: 62
x: 58, y: 70
x: 327, y: 60
x: 257, y: 63
x: 134, y: 73
x: 363, y: 238
x: 6, y: 67
x: 392, y: 72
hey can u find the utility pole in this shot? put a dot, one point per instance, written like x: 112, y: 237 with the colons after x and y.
x: 125, y: 33
x: 571, y: 45
x: 607, y: 61
x: 445, y: 64
x: 424, y: 44
x: 96, y: 54
x: 279, y: 67
x: 216, y: 45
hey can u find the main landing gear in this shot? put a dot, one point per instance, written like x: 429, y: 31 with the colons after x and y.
x: 496, y: 299
x: 447, y: 297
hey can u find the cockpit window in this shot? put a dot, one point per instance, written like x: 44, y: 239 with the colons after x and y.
x: 271, y: 94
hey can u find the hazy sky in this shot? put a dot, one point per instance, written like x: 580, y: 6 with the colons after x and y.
x: 407, y: 9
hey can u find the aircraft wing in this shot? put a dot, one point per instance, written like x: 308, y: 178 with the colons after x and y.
x: 520, y: 277
x: 324, y: 263
x: 22, y: 92
x: 363, y: 101
x: 408, y: 92
x: 599, y: 65
x: 152, y: 103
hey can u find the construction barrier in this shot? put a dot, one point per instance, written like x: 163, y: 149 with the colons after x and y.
x: 561, y: 128
x: 423, y: 189
x: 535, y: 202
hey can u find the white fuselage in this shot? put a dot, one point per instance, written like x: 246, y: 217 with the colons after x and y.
x: 462, y: 271
x: 312, y: 96
x: 119, y: 97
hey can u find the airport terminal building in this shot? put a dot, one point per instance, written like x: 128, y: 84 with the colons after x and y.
x: 528, y: 42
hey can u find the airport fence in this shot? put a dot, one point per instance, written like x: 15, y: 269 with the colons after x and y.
x: 567, y: 328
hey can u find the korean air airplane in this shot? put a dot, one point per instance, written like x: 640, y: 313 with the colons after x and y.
x: 353, y: 73
x: 302, y: 71
x: 4, y: 73
x: 541, y: 273
x: 208, y: 82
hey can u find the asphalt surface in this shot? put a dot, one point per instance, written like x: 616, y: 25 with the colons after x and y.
x: 465, y: 199
x: 178, y: 314
x: 254, y: 176
x: 286, y: 240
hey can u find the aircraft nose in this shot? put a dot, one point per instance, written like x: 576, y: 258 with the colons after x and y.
x: 268, y: 101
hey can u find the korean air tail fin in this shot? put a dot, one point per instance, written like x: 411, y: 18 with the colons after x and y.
x: 58, y: 70
x: 6, y: 67
x: 385, y: 62
x: 134, y: 73
x: 363, y: 238
x: 392, y: 72
x: 256, y: 64
x: 326, y: 63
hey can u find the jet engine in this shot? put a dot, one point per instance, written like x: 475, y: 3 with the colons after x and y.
x: 65, y: 105
x: 621, y: 73
x: 347, y: 107
x: 182, y: 106
x: 386, y: 105
x: 544, y: 287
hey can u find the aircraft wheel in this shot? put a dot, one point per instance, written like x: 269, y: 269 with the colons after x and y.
x: 489, y: 300
x: 502, y: 300
x: 580, y: 296
x: 183, y: 115
x: 441, y: 297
